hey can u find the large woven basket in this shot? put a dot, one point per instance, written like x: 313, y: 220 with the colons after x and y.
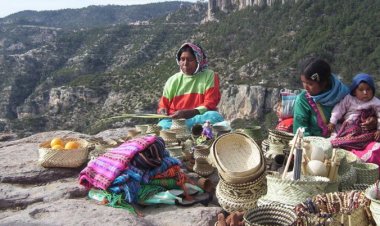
x: 270, y: 215
x: 367, y: 173
x: 231, y: 204
x: 236, y: 154
x: 292, y: 192
x: 250, y: 190
x: 63, y: 158
x: 243, y: 179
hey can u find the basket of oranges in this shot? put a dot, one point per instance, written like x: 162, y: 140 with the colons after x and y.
x: 63, y: 152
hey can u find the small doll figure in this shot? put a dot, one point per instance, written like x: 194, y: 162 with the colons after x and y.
x: 207, y: 130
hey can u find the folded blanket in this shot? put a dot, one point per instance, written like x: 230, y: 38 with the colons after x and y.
x: 102, y: 171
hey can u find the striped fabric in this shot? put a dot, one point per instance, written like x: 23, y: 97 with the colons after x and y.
x: 102, y: 171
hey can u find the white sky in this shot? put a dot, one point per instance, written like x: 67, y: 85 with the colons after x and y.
x: 12, y: 6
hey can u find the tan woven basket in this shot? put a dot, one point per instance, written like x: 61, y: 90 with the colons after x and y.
x: 231, y: 204
x: 236, y: 154
x: 278, y: 136
x: 63, y: 158
x: 270, y: 215
x: 243, y: 179
x: 245, y: 190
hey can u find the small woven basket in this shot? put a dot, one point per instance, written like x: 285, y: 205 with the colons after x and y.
x: 270, y: 215
x: 367, y: 173
x: 175, y: 151
x: 201, y: 151
x: 63, y: 158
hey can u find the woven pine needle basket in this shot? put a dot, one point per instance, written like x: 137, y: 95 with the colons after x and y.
x: 237, y: 154
x: 270, y: 215
x: 63, y: 158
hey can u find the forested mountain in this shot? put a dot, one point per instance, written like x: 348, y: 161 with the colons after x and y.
x: 68, y: 69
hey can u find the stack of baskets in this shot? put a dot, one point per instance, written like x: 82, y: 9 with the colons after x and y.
x: 73, y: 158
x: 241, y: 167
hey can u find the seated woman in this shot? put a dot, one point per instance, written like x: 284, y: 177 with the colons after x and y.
x: 313, y: 106
x: 193, y: 93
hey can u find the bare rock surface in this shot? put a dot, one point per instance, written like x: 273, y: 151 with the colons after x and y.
x: 33, y: 195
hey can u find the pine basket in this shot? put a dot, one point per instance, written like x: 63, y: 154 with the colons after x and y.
x: 270, y: 215
x: 63, y: 158
x: 367, y: 173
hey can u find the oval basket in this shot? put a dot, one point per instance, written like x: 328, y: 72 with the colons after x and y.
x: 243, y: 179
x: 236, y: 154
x: 270, y: 215
x: 63, y: 158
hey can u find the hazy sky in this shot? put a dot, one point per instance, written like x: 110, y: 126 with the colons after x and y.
x: 12, y: 6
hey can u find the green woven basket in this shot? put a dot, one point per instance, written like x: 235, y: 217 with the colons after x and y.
x: 367, y: 173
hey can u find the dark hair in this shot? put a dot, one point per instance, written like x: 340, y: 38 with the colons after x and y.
x: 316, y: 69
x: 185, y: 48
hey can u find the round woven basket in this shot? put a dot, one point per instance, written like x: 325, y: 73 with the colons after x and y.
x: 201, y: 151
x: 236, y: 203
x: 175, y: 151
x: 367, y: 173
x: 236, y: 154
x: 270, y: 215
x: 63, y: 158
x: 141, y: 128
x: 292, y: 192
x: 203, y: 168
x: 168, y: 136
x: 153, y: 129
x: 277, y: 136
x: 254, y: 189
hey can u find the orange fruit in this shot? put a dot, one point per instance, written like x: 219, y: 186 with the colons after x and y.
x: 57, y: 147
x: 57, y: 141
x: 71, y: 145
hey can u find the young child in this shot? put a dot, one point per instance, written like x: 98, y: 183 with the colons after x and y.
x: 355, y: 109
